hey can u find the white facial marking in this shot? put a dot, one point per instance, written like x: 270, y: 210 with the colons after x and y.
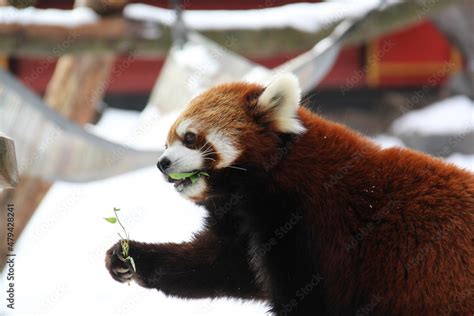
x: 194, y: 190
x: 182, y: 158
x: 225, y: 148
x: 182, y: 128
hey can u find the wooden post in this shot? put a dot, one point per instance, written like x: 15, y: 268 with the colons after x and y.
x: 78, y: 85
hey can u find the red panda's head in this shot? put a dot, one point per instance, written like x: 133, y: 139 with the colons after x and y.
x: 235, y: 125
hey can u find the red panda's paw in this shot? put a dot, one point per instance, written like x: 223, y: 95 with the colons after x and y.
x: 119, y: 268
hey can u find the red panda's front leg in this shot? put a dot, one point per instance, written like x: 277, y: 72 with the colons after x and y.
x: 207, y: 267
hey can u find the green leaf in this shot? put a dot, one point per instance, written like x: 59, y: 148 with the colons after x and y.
x: 116, y: 209
x: 111, y: 220
x: 181, y: 175
x: 192, y: 175
x: 194, y: 178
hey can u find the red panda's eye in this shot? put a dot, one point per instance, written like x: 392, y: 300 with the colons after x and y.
x: 189, y: 138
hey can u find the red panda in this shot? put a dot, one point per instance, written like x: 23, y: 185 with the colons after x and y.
x: 308, y: 215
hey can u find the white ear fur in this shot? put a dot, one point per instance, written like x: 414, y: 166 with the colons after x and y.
x: 282, y: 97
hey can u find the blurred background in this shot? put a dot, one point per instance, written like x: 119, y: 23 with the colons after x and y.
x: 89, y: 88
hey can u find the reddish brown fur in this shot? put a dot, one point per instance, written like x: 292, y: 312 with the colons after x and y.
x: 390, y: 231
x: 421, y: 251
x: 219, y: 107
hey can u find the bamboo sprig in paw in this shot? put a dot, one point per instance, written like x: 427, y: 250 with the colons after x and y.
x: 124, y: 241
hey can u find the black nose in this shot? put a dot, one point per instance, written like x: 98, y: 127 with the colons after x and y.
x: 163, y: 164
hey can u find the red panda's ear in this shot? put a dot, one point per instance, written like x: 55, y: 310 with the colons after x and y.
x: 280, y: 100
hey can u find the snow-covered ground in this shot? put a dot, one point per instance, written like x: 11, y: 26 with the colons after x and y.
x: 60, y: 257
x: 454, y: 115
x: 387, y: 141
x: 463, y: 161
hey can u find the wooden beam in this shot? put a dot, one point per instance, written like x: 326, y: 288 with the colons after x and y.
x: 121, y: 35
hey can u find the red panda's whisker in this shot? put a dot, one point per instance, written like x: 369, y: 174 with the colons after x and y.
x: 208, y: 154
x: 205, y: 144
x: 238, y: 168
x: 178, y: 161
x: 207, y: 149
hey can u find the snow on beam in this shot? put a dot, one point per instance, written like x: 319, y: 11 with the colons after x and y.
x: 51, y: 17
x: 304, y: 17
x: 145, y: 29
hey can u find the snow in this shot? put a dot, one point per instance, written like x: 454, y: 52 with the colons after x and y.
x: 306, y: 17
x: 152, y: 134
x: 120, y: 121
x: 463, y: 161
x: 29, y: 16
x: 197, y: 57
x: 146, y: 130
x: 387, y: 141
x: 454, y: 115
